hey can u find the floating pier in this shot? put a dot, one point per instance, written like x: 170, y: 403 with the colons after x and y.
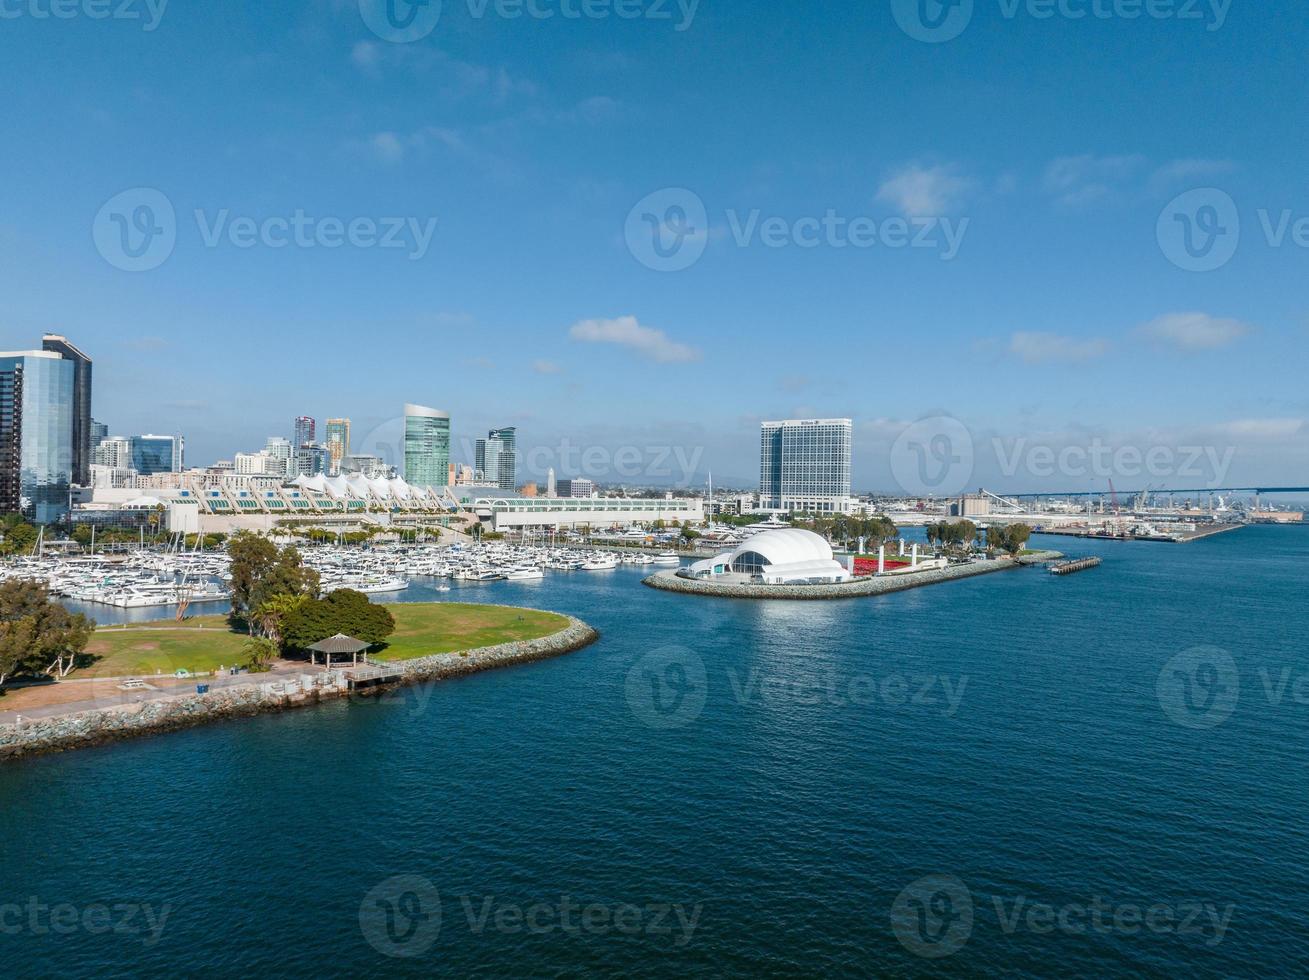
x: 1075, y: 565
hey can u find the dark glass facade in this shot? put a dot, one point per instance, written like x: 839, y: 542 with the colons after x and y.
x: 38, y: 416
x: 83, y: 436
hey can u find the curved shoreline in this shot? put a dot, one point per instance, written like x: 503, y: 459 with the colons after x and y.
x: 101, y: 726
x: 857, y: 589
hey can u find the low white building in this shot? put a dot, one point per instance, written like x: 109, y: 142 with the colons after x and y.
x: 786, y: 557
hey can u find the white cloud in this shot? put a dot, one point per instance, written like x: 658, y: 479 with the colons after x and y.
x: 925, y: 191
x: 1262, y: 428
x: 1192, y: 169
x: 365, y: 55
x: 1195, y: 331
x: 388, y: 147
x: 1081, y: 180
x: 627, y: 332
x: 546, y: 367
x: 1035, y: 347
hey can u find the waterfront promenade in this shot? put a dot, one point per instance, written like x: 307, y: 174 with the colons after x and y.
x: 858, y: 588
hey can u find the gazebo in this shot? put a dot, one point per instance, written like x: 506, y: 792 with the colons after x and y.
x: 338, y: 646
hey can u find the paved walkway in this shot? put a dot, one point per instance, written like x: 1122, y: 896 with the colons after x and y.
x: 107, y: 693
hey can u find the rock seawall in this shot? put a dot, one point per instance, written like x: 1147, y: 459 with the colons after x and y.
x: 671, y: 582
x: 174, y: 714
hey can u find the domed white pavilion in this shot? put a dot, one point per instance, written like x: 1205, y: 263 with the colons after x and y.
x: 787, y: 557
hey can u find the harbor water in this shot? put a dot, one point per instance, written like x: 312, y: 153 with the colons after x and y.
x: 1103, y: 775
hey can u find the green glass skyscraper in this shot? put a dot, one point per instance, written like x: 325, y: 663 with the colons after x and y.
x: 427, y: 447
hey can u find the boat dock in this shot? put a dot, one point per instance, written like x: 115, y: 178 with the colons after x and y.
x: 1075, y: 565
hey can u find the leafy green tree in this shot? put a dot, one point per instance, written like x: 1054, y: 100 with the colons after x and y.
x: 343, y: 611
x: 1012, y: 538
x: 20, y: 538
x: 260, y: 571
x: 259, y: 653
x: 37, y: 635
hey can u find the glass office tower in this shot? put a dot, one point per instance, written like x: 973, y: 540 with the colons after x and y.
x: 427, y: 447
x: 156, y: 454
x: 36, y: 434
x: 83, y: 436
x: 804, y: 465
x: 336, y: 433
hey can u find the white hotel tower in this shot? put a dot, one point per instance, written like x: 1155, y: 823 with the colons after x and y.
x: 804, y: 466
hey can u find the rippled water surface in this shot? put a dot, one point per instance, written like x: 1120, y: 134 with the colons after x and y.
x: 898, y: 785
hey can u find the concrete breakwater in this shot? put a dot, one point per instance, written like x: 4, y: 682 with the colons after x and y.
x: 155, y: 717
x: 858, y: 588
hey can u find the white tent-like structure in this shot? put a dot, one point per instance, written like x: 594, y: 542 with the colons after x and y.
x: 787, y: 557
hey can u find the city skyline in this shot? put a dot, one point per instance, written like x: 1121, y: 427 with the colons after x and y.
x: 1064, y: 317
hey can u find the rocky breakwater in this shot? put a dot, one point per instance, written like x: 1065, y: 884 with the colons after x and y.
x: 857, y: 588
x: 442, y: 665
x: 109, y: 724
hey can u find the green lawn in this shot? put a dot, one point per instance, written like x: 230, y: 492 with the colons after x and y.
x: 161, y: 648
x: 203, y: 643
x: 440, y: 627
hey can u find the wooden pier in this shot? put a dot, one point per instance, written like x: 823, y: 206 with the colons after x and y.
x: 1076, y: 565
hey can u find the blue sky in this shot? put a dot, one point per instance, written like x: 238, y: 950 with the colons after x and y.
x: 1055, y: 143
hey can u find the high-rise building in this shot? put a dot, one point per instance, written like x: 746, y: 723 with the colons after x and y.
x: 115, y: 453
x: 427, y: 446
x: 496, y: 460
x: 304, y: 432
x: 551, y: 490
x: 336, y: 434
x: 577, y: 488
x: 506, y: 475
x: 82, y: 436
x: 99, y: 433
x: 312, y: 460
x: 152, y: 454
x: 280, y: 450
x: 36, y: 434
x: 804, y: 465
